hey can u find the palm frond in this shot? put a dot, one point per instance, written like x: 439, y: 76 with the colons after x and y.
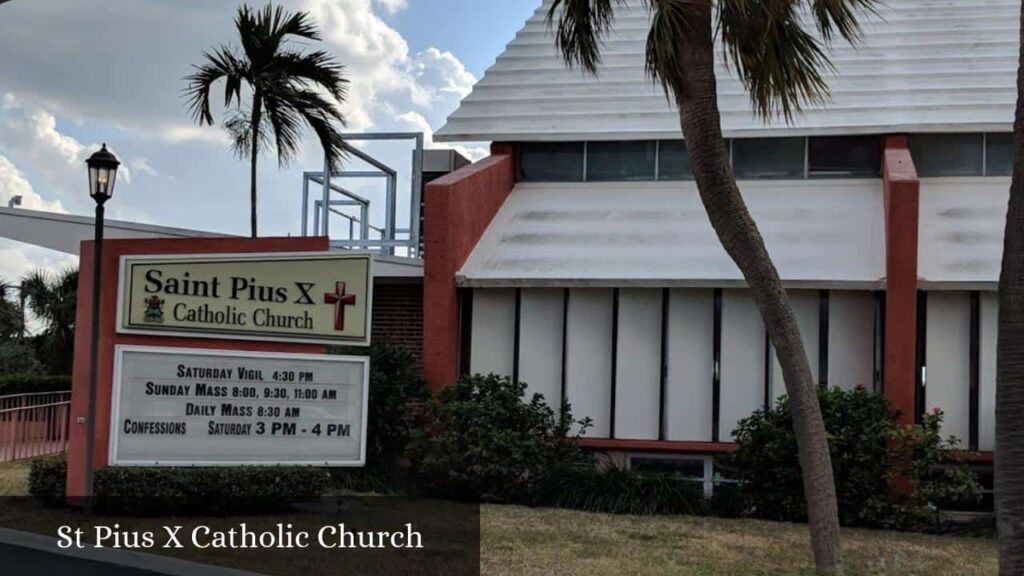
x: 238, y: 125
x: 582, y: 27
x: 314, y: 68
x: 222, y: 62
x: 263, y: 32
x: 39, y: 298
x: 842, y: 16
x: 286, y: 127
x: 779, y: 62
x: 322, y: 116
x: 292, y: 24
x: 671, y: 20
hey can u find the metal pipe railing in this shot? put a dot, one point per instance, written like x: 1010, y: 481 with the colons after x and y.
x: 33, y: 424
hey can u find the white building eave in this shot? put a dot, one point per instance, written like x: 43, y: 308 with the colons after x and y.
x: 820, y: 233
x: 66, y: 232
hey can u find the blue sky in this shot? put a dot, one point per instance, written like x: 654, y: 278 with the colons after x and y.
x: 476, y: 31
x: 75, y: 73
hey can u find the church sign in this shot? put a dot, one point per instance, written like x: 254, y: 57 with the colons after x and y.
x: 192, y: 407
x: 321, y: 298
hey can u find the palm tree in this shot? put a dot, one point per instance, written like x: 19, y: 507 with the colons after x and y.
x: 287, y: 88
x: 781, y: 63
x: 1009, y: 473
x: 11, y: 316
x: 51, y: 299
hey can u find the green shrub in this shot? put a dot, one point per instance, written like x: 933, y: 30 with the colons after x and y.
x: 395, y: 382
x: 29, y: 383
x: 47, y: 479
x: 939, y: 480
x: 150, y: 491
x: 18, y: 357
x: 482, y: 441
x: 616, y: 491
x: 868, y: 449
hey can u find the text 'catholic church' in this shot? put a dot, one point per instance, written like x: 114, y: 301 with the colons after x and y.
x: 578, y: 258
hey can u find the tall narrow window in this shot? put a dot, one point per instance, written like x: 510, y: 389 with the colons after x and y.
x: 999, y: 154
x: 551, y: 162
x: 621, y: 161
x: 844, y: 157
x: 768, y: 158
x: 947, y: 154
x: 673, y: 161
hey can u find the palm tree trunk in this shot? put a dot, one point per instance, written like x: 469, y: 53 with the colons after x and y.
x: 739, y: 236
x: 257, y: 113
x: 1009, y: 473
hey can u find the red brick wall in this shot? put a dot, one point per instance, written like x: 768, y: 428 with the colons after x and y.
x: 398, y: 315
x: 902, y: 196
x: 459, y: 207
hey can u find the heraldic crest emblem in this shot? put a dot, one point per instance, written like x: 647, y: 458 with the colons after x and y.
x: 154, y: 309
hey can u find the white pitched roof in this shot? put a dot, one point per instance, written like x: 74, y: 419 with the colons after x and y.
x: 922, y: 66
x: 820, y: 233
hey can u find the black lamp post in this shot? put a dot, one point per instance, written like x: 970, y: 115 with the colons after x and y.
x: 102, y: 173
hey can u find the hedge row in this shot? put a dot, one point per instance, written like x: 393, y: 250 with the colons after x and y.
x: 29, y: 383
x: 150, y: 491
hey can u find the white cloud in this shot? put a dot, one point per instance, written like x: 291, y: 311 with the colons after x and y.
x: 393, y: 6
x: 17, y: 260
x: 386, y: 80
x: 13, y: 183
x: 185, y: 133
x: 441, y: 73
x: 55, y: 105
x: 141, y: 166
x: 29, y: 134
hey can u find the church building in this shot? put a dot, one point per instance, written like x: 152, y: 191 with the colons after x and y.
x: 577, y: 257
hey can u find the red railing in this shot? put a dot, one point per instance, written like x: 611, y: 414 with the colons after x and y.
x: 33, y: 424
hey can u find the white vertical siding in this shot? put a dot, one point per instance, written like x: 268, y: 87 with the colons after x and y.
x: 948, y: 360
x: 987, y: 377
x: 806, y: 304
x: 540, y: 343
x: 588, y: 376
x: 742, y: 364
x: 851, y: 339
x: 638, y: 364
x: 494, y: 317
x: 690, y: 352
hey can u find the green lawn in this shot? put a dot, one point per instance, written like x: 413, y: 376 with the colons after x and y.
x: 520, y: 541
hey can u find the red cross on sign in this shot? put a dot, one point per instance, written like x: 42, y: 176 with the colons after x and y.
x: 340, y: 300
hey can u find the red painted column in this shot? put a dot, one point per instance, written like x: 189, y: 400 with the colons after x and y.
x: 459, y: 207
x: 112, y: 252
x: 902, y: 198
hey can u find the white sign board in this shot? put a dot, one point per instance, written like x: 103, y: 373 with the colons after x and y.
x: 197, y: 407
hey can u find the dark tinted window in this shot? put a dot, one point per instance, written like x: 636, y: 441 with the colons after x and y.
x: 551, y: 162
x: 844, y: 157
x: 673, y: 161
x: 620, y: 160
x: 947, y: 154
x: 768, y: 158
x: 999, y: 154
x: 684, y: 468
